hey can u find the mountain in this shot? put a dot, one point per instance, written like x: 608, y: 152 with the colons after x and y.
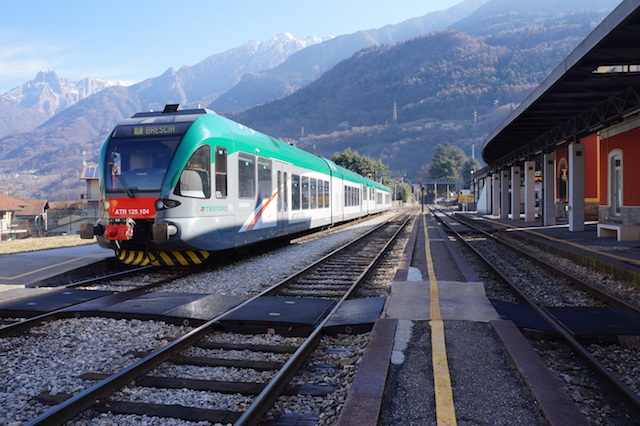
x: 309, y: 64
x: 438, y: 82
x: 45, y: 161
x: 203, y: 83
x: 32, y: 103
x: 447, y: 86
x: 29, y: 105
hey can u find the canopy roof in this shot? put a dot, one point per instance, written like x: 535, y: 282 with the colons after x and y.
x: 597, y: 85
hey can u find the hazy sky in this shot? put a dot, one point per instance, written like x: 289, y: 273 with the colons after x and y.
x: 137, y: 39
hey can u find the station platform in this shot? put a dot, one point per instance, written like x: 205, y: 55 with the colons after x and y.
x: 46, y: 268
x: 441, y: 350
x: 621, y: 259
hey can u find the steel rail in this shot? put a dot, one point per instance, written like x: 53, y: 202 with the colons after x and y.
x: 273, y: 390
x: 565, y: 333
x: 613, y: 299
x: 25, y: 324
x: 83, y: 401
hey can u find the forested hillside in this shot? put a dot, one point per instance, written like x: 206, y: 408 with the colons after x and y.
x: 396, y: 103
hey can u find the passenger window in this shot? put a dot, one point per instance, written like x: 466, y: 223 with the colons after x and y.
x: 314, y: 193
x: 285, y: 193
x: 305, y: 192
x: 195, y: 180
x: 221, y: 172
x: 327, y: 194
x: 279, y: 189
x: 295, y: 192
x: 265, y: 186
x: 246, y: 176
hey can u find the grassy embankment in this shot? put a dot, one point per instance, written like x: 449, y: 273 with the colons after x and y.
x: 33, y: 244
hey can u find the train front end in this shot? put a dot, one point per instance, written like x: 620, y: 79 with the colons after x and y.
x: 137, y: 165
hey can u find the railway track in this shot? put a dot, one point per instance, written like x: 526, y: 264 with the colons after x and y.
x: 357, y: 257
x: 544, y: 286
x: 28, y: 319
x: 129, y: 284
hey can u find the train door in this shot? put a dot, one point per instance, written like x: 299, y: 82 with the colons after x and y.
x: 283, y: 182
x: 337, y: 203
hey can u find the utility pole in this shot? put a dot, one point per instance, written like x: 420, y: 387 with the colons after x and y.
x: 395, y: 112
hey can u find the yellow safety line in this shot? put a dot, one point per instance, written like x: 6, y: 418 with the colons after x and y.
x: 445, y: 409
x: 42, y: 269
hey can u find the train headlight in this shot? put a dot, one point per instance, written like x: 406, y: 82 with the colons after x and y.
x: 106, y: 204
x: 165, y: 203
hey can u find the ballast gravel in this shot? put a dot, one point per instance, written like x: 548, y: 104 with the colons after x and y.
x: 52, y: 356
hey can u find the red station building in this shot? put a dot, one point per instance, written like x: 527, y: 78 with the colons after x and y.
x: 571, y: 150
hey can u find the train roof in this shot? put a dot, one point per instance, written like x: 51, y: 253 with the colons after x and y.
x: 249, y: 140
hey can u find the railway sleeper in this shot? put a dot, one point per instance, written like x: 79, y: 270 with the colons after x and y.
x: 218, y: 362
x: 246, y: 347
x: 319, y: 286
x: 343, y: 281
x: 193, y: 414
x: 244, y: 388
x: 335, y: 272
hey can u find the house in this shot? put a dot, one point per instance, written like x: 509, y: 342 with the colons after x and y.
x: 21, y: 216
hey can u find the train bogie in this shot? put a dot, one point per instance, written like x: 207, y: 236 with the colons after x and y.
x: 180, y: 185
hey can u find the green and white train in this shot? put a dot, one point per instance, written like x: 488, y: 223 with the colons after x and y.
x: 179, y: 185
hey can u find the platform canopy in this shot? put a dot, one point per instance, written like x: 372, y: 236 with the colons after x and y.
x: 596, y: 86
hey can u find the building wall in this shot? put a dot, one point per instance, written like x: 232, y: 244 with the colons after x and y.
x: 628, y: 142
x: 591, y: 189
x: 625, y: 138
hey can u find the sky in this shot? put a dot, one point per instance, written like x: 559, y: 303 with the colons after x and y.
x: 137, y: 39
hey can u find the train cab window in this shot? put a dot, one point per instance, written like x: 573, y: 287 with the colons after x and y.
x: 304, y: 192
x: 195, y: 179
x: 295, y: 192
x: 221, y: 172
x: 265, y: 183
x: 313, y: 187
x: 246, y: 176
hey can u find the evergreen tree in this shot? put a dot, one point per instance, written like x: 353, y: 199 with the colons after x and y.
x: 361, y: 164
x: 447, y: 162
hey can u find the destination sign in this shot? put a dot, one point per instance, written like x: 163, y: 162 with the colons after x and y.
x: 151, y: 130
x: 154, y: 130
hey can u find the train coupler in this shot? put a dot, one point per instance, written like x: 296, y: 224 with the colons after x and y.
x: 119, y: 230
x: 88, y: 231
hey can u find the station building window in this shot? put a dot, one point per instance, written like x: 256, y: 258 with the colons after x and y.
x: 563, y: 180
x: 615, y: 182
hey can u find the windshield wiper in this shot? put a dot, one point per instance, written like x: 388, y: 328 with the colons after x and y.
x: 115, y: 165
x: 125, y: 186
